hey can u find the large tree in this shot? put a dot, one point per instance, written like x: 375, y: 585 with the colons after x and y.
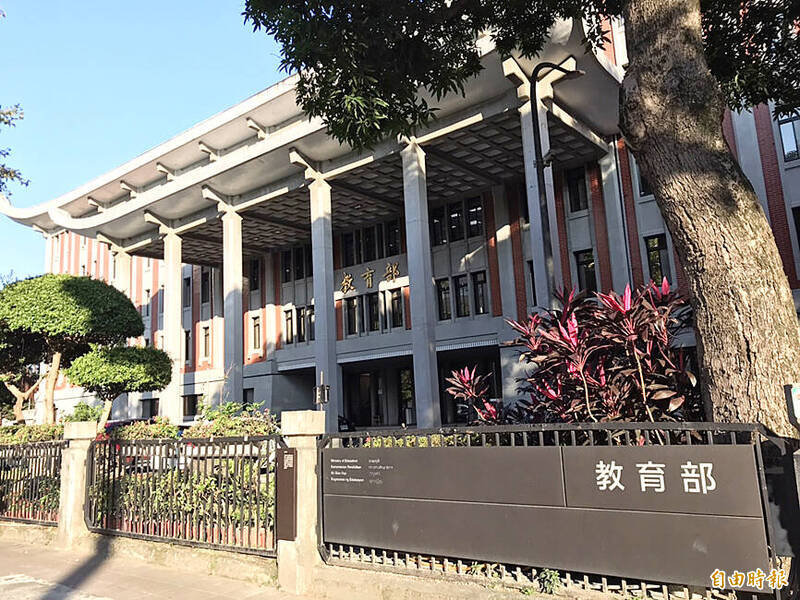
x: 361, y: 64
x: 67, y: 314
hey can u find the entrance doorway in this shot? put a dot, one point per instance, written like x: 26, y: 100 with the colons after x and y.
x: 379, y: 394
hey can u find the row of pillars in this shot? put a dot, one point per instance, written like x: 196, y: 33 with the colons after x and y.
x: 420, y: 271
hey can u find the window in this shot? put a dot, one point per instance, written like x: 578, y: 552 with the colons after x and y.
x: 658, y: 257
x: 301, y: 324
x: 584, y: 261
x: 369, y: 244
x: 462, y: 295
x: 309, y: 261
x: 373, y: 312
x: 393, y: 238
x: 644, y: 186
x: 359, y: 256
x: 443, y: 298
x: 149, y: 408
x: 255, y: 338
x: 186, y: 295
x: 248, y: 395
x: 255, y: 275
x: 146, y: 305
x: 206, y: 342
x: 455, y: 221
x: 351, y: 311
x: 474, y: 217
x: 187, y: 346
x: 576, y: 189
x: 190, y: 405
x: 310, y: 311
x: 286, y: 266
x: 205, y: 286
x: 299, y: 264
x: 397, y: 308
x: 789, y: 129
x: 533, y: 282
x: 438, y: 231
x: 479, y: 292
x: 379, y: 241
x: 348, y: 249
x: 288, y: 326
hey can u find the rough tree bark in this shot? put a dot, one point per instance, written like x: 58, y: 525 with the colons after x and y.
x: 50, y: 389
x: 21, y: 397
x: 672, y: 110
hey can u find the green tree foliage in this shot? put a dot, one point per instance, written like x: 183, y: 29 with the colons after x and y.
x: 111, y: 371
x: 83, y: 412
x: 8, y: 118
x: 361, y: 63
x: 63, y: 315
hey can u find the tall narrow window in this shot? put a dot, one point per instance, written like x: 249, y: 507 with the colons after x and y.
x: 576, y: 189
x: 186, y: 292
x: 397, y: 308
x: 474, y: 217
x: 299, y: 264
x: 187, y: 346
x: 584, y: 261
x: 309, y: 261
x: 310, y: 311
x: 462, y: 295
x: 288, y: 326
x: 369, y: 244
x: 789, y: 129
x: 393, y: 237
x: 146, y: 305
x: 255, y: 338
x: 373, y: 312
x: 351, y: 312
x: 379, y: 243
x: 438, y: 231
x: 206, y: 342
x: 443, y: 298
x: 533, y: 282
x: 455, y: 221
x: 658, y: 257
x: 301, y: 324
x: 286, y: 266
x: 255, y: 275
x: 358, y: 244
x: 205, y: 286
x: 479, y: 292
x: 348, y: 249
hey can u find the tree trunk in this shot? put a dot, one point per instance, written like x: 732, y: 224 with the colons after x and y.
x: 105, y: 415
x: 50, y: 389
x: 672, y: 109
x: 19, y: 401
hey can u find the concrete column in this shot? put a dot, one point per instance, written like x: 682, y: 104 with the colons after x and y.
x: 297, y: 559
x: 505, y: 259
x: 171, y: 401
x: 420, y: 277
x: 71, y: 525
x: 122, y: 271
x: 615, y: 221
x: 324, y: 312
x: 232, y: 303
x: 543, y: 226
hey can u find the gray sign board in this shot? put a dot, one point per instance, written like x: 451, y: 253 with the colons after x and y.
x: 673, y: 514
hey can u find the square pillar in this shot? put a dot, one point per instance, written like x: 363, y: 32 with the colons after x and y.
x: 420, y: 277
x: 232, y: 305
x: 324, y: 313
x: 122, y: 271
x: 543, y: 225
x: 171, y: 401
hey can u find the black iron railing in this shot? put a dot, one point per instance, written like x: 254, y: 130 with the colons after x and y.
x: 30, y: 482
x: 215, y: 493
x: 769, y: 452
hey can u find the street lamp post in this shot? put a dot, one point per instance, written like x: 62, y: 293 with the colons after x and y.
x: 539, y: 165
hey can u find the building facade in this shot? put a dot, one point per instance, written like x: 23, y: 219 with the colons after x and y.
x: 227, y: 236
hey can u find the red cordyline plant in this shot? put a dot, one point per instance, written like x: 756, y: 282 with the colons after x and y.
x: 608, y: 358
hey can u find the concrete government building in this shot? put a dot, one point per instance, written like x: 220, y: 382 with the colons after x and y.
x: 264, y: 256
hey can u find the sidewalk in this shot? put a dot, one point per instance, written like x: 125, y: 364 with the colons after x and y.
x: 40, y: 573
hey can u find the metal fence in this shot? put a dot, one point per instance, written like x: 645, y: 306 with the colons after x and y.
x: 213, y: 493
x: 768, y: 450
x: 30, y: 482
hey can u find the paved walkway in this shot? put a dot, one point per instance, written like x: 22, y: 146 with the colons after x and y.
x: 37, y: 573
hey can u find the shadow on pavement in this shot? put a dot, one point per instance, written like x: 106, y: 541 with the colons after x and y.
x: 81, y: 572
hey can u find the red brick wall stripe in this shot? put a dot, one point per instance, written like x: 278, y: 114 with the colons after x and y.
x: 630, y: 214
x: 772, y: 182
x: 407, y: 305
x: 600, y: 227
x: 561, y: 221
x: 276, y: 279
x: 491, y: 255
x: 514, y: 199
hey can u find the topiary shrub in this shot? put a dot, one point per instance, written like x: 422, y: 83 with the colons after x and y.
x: 83, y: 412
x: 158, y: 429
x: 28, y: 434
x: 231, y: 419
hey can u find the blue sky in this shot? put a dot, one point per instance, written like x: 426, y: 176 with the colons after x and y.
x: 101, y: 82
